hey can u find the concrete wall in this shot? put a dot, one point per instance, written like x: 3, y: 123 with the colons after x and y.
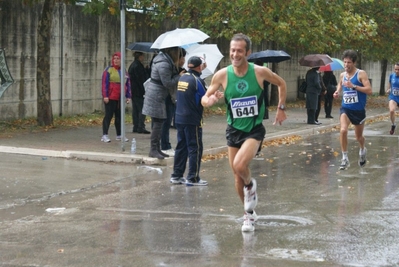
x: 81, y: 47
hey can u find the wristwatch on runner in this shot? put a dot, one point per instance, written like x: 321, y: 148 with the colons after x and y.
x: 282, y: 107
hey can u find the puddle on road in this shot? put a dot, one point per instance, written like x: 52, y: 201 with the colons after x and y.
x: 151, y: 169
x: 294, y: 254
x: 280, y: 221
x: 375, y: 166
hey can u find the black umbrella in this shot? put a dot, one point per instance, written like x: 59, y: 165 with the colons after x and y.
x: 142, y: 47
x: 269, y: 56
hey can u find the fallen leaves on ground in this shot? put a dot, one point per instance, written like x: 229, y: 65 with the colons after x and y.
x: 214, y: 156
x: 282, y: 141
x: 275, y: 142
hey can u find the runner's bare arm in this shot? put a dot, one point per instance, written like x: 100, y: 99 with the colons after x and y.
x: 389, y: 87
x: 364, y: 79
x: 212, y: 95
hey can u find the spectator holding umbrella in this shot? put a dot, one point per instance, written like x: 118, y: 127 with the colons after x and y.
x: 166, y: 146
x: 313, y: 90
x: 164, y: 79
x: 267, y: 56
x: 320, y: 96
x: 265, y: 93
x: 314, y: 83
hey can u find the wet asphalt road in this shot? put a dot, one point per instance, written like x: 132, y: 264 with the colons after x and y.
x: 57, y: 212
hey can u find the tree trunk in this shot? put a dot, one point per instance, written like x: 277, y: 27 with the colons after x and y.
x: 44, y: 109
x: 384, y: 67
x: 359, y: 60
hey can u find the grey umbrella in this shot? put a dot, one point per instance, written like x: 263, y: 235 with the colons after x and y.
x: 315, y: 60
x: 269, y: 56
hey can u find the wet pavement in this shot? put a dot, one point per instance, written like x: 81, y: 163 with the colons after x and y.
x: 84, y: 142
x: 61, y: 212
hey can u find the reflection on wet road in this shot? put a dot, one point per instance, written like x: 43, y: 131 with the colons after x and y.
x: 310, y: 213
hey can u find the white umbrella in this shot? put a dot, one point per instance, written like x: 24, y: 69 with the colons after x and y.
x: 209, y: 53
x: 179, y: 37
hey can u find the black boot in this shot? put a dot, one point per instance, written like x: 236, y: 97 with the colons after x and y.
x: 311, y: 116
x: 154, y: 152
x: 155, y: 141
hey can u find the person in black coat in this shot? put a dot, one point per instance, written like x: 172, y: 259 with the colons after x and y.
x: 330, y: 81
x: 321, y: 95
x: 265, y: 92
x: 138, y: 75
x: 313, y: 90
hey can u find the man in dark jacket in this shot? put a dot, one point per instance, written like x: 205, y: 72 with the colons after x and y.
x: 313, y: 91
x: 138, y: 75
x: 188, y: 121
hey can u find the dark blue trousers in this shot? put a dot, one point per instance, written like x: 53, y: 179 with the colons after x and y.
x: 189, y: 145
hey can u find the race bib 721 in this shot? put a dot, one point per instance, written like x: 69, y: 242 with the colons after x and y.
x: 350, y: 97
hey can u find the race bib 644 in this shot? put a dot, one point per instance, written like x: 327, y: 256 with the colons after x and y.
x: 244, y: 107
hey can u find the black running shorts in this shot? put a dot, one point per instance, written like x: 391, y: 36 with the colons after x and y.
x: 356, y: 117
x: 235, y: 138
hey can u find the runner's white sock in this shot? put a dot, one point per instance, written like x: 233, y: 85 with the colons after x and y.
x: 362, y: 151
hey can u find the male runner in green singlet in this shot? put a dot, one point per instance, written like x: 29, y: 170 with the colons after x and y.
x: 243, y: 91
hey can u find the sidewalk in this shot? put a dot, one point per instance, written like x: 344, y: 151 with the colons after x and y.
x: 84, y: 142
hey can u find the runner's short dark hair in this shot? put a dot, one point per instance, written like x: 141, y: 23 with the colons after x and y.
x: 350, y: 54
x: 241, y: 36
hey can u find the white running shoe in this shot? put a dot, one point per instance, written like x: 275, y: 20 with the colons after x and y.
x: 362, y: 158
x: 119, y: 138
x: 105, y: 139
x: 249, y: 223
x: 177, y: 180
x: 198, y: 183
x: 170, y: 152
x: 344, y: 164
x: 255, y: 216
x: 250, y: 197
